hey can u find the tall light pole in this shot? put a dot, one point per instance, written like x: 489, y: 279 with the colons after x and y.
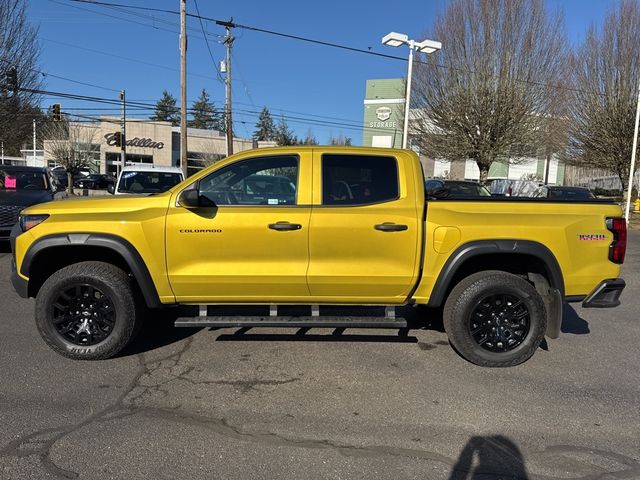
x: 395, y: 39
x: 633, y: 158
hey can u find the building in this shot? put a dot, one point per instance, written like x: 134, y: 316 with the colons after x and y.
x: 383, y: 126
x: 149, y: 142
x: 383, y: 113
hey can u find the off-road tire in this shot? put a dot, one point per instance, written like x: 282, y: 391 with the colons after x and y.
x: 113, y: 283
x: 462, y: 302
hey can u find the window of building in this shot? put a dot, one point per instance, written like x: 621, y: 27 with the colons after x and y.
x: 358, y: 179
x: 196, y: 161
x: 268, y: 180
x: 113, y: 159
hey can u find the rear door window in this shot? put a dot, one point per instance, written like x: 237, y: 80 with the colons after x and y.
x: 358, y: 179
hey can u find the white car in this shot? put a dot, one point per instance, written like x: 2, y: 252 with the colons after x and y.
x: 146, y: 179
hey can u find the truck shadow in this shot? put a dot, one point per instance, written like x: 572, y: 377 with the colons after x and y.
x: 572, y: 322
x: 158, y: 331
x: 5, y: 246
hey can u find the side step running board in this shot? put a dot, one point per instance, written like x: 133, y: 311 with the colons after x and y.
x: 299, y: 322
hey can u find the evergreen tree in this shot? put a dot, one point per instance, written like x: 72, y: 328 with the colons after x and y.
x: 166, y: 110
x: 284, y: 135
x: 265, y: 129
x: 204, y: 114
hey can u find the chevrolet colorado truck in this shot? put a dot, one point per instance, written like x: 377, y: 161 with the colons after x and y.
x: 315, y: 228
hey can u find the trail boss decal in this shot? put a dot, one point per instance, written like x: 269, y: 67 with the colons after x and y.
x: 200, y: 230
x: 592, y: 236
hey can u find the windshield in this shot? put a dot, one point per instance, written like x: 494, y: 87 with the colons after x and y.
x: 148, y: 182
x: 11, y: 180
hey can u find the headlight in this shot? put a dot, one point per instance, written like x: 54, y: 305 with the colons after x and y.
x: 27, y: 222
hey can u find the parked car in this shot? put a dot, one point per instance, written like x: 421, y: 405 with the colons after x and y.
x: 95, y: 181
x: 22, y: 187
x: 60, y: 175
x: 563, y: 193
x: 146, y: 179
x: 457, y: 188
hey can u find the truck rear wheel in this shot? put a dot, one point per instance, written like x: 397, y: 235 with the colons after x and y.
x: 495, y: 319
x: 87, y: 311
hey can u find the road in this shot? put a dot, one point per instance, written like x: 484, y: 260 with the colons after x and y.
x: 236, y: 404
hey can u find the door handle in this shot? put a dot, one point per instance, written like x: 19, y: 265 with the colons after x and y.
x: 390, y: 227
x: 284, y: 226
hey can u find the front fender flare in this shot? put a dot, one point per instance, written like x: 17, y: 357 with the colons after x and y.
x: 113, y: 242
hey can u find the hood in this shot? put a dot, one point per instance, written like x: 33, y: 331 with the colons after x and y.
x: 24, y: 198
x: 102, y: 204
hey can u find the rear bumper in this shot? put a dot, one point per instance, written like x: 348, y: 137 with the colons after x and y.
x: 606, y: 294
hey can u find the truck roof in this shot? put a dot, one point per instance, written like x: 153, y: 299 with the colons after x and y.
x: 151, y: 168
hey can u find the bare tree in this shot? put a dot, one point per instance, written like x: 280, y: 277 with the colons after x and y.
x: 606, y: 71
x: 72, y: 145
x: 486, y: 94
x: 340, y: 140
x: 19, y: 49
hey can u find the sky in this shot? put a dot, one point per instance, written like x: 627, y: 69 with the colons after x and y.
x: 314, y: 87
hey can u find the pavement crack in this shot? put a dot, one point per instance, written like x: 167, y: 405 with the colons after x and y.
x: 40, y: 442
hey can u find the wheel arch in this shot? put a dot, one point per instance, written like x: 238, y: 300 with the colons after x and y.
x: 65, y: 249
x: 523, y: 257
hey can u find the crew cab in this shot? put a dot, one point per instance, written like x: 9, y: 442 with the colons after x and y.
x: 312, y: 228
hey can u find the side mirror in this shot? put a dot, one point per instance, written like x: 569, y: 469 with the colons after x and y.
x: 191, y: 198
x: 111, y: 189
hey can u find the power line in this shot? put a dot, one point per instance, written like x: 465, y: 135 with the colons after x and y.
x: 206, y: 40
x: 152, y: 18
x: 129, y: 59
x: 320, y: 42
x: 245, y: 112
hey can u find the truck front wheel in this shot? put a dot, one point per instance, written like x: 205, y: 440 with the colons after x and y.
x: 87, y: 311
x: 495, y: 319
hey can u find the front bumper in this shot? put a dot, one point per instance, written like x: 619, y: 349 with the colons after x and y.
x: 606, y: 294
x: 20, y: 285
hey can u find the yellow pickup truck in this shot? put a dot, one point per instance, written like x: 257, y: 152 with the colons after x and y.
x: 316, y: 228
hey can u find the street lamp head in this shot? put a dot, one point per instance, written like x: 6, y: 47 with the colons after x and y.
x: 428, y: 46
x: 395, y: 39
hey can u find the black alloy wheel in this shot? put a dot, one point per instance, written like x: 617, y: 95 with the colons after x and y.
x: 83, y: 314
x: 500, y: 322
x: 88, y: 311
x: 495, y: 319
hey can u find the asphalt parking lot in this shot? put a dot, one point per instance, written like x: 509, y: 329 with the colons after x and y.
x: 229, y: 403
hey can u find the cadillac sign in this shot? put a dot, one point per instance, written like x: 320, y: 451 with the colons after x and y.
x: 134, y: 142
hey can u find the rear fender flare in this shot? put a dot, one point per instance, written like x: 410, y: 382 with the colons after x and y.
x: 485, y: 247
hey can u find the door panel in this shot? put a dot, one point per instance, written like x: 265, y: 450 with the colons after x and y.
x: 361, y: 252
x: 251, y: 252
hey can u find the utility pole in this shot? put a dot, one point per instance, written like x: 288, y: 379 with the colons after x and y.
x: 228, y: 40
x: 34, y: 143
x: 123, y: 136
x: 183, y: 87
